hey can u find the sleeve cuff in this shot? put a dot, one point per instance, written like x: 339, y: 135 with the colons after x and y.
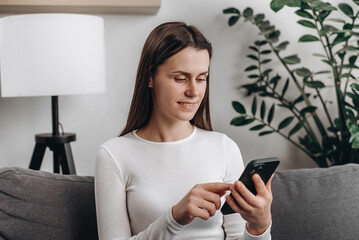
x: 173, y: 226
x: 264, y: 236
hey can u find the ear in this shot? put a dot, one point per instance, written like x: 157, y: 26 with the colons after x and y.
x: 150, y: 83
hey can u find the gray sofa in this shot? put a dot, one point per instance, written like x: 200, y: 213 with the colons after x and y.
x: 308, y: 204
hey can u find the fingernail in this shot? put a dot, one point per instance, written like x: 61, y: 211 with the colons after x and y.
x: 238, y: 183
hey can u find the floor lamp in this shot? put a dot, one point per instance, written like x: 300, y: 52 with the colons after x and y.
x: 52, y: 55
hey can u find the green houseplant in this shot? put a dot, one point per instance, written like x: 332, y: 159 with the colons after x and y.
x: 329, y: 138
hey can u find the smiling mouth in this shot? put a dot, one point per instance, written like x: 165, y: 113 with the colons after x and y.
x: 187, y: 104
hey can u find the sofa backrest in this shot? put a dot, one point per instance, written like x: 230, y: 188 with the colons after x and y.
x: 46, y: 206
x: 318, y: 203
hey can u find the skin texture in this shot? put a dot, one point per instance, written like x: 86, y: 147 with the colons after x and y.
x: 178, y: 86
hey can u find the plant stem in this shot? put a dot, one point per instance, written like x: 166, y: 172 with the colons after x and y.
x: 306, y: 100
x: 307, y: 126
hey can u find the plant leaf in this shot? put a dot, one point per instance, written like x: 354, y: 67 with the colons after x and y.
x: 306, y: 23
x: 308, y: 38
x: 265, y: 133
x: 322, y: 72
x: 282, y: 46
x: 266, y: 61
x: 259, y: 17
x: 260, y: 43
x: 238, y: 107
x: 266, y: 72
x: 314, y: 84
x: 297, y: 127
x: 266, y: 51
x: 303, y: 13
x: 232, y: 20
x: 271, y: 114
x: 303, y: 72
x: 248, y: 13
x: 346, y: 9
x: 309, y: 109
x: 246, y: 122
x: 263, y: 110
x: 292, y: 3
x: 237, y: 120
x: 341, y: 37
x: 231, y: 10
x: 250, y: 68
x: 318, y: 55
x: 300, y: 99
x: 327, y: 29
x: 254, y: 106
x: 352, y: 59
x: 253, y: 48
x: 292, y: 59
x: 275, y: 79
x: 353, y: 96
x: 285, y: 87
x: 257, y: 127
x: 355, y: 87
x: 276, y: 5
x: 252, y: 57
x: 285, y: 122
x: 273, y: 36
x: 253, y: 76
x: 323, y: 15
x: 336, y: 20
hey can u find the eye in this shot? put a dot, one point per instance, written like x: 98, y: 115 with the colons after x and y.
x: 202, y: 79
x: 180, y: 79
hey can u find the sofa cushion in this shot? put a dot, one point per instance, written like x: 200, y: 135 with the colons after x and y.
x: 319, y: 203
x: 42, y: 205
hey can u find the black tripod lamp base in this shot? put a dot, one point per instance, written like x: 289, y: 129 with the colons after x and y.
x: 60, y: 145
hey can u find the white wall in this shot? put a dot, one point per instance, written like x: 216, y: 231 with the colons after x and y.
x: 96, y: 118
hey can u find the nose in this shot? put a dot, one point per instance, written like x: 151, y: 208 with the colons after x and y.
x: 192, y: 89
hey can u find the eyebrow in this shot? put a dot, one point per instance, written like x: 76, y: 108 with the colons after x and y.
x: 186, y: 73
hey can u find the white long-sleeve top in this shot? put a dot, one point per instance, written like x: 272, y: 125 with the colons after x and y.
x: 137, y: 182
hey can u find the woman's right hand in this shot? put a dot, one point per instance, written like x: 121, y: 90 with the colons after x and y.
x: 202, y: 201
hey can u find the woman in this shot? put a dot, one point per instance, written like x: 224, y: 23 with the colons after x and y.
x: 164, y: 177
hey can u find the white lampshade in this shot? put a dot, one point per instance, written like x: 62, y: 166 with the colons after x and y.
x: 51, y: 54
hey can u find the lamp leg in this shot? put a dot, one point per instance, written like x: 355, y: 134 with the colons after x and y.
x: 57, y: 158
x: 37, y: 156
x: 67, y: 162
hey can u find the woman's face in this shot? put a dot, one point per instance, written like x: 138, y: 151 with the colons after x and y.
x: 179, y: 85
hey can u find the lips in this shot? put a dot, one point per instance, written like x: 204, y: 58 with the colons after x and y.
x: 187, y: 105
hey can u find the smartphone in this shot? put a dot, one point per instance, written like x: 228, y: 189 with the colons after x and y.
x: 264, y: 167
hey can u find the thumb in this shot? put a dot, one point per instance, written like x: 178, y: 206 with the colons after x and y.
x: 269, y: 184
x: 258, y: 183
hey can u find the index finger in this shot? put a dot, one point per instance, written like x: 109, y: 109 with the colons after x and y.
x: 217, y: 187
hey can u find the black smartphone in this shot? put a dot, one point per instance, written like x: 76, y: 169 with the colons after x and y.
x: 264, y: 167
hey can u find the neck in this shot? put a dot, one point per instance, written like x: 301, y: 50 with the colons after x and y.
x: 156, y: 131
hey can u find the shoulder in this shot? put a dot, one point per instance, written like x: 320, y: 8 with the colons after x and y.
x: 118, y: 142
x: 215, y: 136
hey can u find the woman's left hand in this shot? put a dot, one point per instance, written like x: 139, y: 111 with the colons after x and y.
x: 255, y: 209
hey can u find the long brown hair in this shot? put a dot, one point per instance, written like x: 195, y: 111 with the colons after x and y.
x: 163, y: 42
